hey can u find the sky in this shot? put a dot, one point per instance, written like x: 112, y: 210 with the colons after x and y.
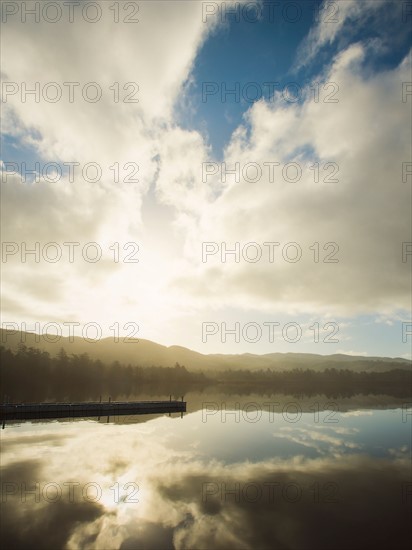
x: 233, y: 177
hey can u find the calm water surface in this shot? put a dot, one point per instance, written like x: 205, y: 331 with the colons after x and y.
x: 237, y: 473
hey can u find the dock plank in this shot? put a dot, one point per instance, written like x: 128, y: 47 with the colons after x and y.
x: 22, y: 411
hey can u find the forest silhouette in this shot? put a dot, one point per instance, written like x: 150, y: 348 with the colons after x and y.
x: 33, y: 375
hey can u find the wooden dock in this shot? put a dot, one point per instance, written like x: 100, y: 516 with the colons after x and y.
x: 26, y: 411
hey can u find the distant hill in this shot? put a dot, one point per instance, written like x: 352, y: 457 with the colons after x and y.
x: 147, y: 353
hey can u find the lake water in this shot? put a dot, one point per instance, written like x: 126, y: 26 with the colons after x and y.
x: 236, y: 472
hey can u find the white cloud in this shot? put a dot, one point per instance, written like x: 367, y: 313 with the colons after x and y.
x: 367, y: 213
x: 157, y: 54
x: 331, y: 21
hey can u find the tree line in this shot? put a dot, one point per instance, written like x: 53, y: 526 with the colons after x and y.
x: 32, y: 375
x: 331, y: 382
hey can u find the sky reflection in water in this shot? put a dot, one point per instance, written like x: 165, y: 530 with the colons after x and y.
x: 332, y: 480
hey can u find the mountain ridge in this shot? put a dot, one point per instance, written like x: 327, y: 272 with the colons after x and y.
x: 144, y: 352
